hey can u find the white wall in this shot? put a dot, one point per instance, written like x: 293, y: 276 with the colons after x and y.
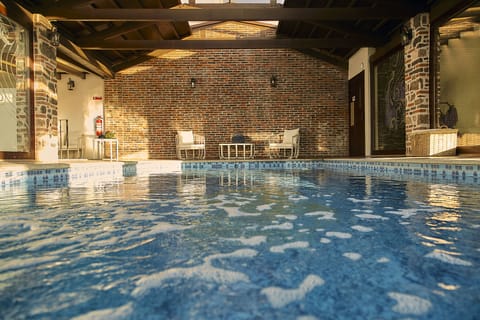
x: 80, y: 107
x: 459, y: 79
x: 359, y: 62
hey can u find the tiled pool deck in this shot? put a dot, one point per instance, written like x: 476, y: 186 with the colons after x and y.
x: 79, y: 171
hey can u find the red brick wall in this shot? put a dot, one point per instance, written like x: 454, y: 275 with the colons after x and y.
x: 146, y: 104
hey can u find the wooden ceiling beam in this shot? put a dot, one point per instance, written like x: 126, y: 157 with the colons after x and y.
x: 69, y: 4
x: 69, y: 67
x: 84, y: 59
x: 225, y: 44
x: 117, y: 31
x: 231, y: 14
x: 348, y: 30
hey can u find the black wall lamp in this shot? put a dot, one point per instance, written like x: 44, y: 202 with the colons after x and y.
x: 70, y: 84
x: 273, y: 81
x: 54, y: 36
x: 407, y: 35
x: 193, y: 81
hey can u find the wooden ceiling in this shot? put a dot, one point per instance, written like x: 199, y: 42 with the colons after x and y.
x: 107, y: 36
x: 465, y: 21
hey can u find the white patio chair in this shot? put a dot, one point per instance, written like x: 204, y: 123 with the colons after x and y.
x: 186, y: 141
x: 286, y: 144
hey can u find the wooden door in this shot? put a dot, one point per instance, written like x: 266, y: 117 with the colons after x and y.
x: 356, y: 94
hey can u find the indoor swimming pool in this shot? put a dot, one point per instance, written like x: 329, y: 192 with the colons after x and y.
x: 241, y: 244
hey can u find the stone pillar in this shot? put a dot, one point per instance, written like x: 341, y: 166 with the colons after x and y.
x: 417, y: 78
x: 45, y: 91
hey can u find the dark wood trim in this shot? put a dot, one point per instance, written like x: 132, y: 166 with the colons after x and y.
x: 229, y: 14
x: 433, y: 68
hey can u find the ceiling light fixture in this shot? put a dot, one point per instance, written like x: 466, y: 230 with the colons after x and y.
x: 407, y: 35
x: 70, y: 84
x: 54, y: 36
x: 273, y: 81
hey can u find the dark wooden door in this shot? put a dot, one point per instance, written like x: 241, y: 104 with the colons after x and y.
x: 356, y: 94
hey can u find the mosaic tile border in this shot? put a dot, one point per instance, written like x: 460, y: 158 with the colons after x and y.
x: 449, y: 172
x: 251, y: 165
x: 88, y: 172
x: 60, y: 176
x: 439, y: 170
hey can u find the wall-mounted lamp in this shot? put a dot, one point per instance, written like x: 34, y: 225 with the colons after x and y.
x: 193, y: 81
x: 407, y: 35
x: 54, y: 36
x: 70, y: 84
x: 273, y: 81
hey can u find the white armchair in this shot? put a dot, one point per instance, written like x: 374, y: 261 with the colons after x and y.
x: 186, y: 141
x: 286, y: 144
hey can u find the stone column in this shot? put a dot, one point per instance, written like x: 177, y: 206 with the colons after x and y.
x: 417, y: 78
x: 45, y: 91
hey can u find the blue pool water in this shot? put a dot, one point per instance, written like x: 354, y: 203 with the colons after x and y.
x: 296, y: 244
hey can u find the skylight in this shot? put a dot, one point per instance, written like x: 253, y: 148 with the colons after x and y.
x: 207, y: 2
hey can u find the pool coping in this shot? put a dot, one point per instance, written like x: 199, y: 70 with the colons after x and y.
x: 34, y: 173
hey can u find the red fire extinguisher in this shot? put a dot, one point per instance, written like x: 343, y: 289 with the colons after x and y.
x: 98, y: 126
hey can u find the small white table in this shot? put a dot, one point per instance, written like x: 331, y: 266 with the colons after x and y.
x: 100, y: 147
x: 236, y: 150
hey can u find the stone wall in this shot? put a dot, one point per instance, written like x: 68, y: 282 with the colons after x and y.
x: 417, y: 78
x: 146, y: 104
x: 45, y: 91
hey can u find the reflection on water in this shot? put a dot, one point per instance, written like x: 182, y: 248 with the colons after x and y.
x: 443, y: 195
x: 238, y: 177
x: 192, y: 182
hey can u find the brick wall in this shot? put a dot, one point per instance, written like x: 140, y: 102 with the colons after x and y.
x: 146, y: 104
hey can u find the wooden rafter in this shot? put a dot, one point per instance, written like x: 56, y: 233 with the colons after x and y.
x: 118, y: 31
x: 224, y: 44
x: 79, y: 56
x: 231, y: 14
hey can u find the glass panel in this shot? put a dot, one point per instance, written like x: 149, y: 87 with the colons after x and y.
x: 389, y: 112
x: 458, y: 90
x: 14, y: 93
